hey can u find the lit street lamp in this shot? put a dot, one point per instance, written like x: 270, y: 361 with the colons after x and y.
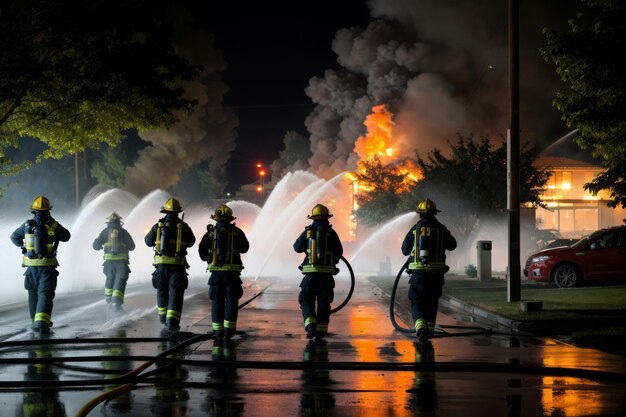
x: 261, y: 187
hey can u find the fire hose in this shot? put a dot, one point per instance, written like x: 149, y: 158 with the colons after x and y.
x: 332, y: 311
x: 439, y: 332
x: 352, y: 282
x: 128, y: 386
x: 392, y: 315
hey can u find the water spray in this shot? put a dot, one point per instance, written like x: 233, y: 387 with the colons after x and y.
x: 559, y: 140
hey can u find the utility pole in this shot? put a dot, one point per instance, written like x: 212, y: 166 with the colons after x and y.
x: 513, y: 157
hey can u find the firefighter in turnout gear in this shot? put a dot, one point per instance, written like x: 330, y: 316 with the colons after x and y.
x: 116, y: 242
x: 38, y: 238
x: 221, y: 246
x: 170, y: 237
x: 426, y: 242
x: 323, y: 250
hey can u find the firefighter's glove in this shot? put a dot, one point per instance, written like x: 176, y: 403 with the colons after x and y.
x: 23, y: 249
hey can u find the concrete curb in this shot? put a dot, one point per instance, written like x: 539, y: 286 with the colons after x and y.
x: 484, y: 316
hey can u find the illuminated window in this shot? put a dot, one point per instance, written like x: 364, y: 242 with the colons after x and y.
x: 566, y: 180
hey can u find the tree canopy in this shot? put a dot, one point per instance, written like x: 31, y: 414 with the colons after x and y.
x: 471, y: 182
x: 110, y: 169
x: 75, y: 74
x: 590, y: 61
x: 468, y: 181
x: 380, y: 192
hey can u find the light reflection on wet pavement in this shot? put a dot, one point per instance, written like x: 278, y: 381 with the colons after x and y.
x: 365, y: 368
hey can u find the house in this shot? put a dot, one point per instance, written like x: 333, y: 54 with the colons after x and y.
x: 570, y: 209
x: 256, y: 192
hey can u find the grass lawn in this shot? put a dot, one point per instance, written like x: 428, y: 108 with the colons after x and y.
x: 557, y: 302
x: 590, y: 316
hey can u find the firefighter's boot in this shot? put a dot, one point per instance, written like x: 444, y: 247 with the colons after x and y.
x: 172, y: 325
x: 229, y: 333
x: 310, y: 331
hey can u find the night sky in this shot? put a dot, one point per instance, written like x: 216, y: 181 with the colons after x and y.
x: 272, y: 50
x: 274, y: 66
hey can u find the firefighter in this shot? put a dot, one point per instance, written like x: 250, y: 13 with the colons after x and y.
x: 170, y: 237
x: 323, y: 250
x: 116, y: 242
x: 222, y: 246
x: 426, y: 242
x: 38, y: 238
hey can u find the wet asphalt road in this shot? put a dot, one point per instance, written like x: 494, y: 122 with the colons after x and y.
x: 365, y: 367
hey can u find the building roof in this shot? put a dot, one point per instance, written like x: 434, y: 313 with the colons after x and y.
x: 562, y: 162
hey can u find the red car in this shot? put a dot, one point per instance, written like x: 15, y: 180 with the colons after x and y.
x: 598, y: 257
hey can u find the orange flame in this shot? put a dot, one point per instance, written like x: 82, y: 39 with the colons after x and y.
x: 380, y: 141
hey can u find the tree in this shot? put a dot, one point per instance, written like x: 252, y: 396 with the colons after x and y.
x: 471, y: 182
x: 74, y: 74
x: 589, y: 60
x: 380, y: 191
x: 110, y: 169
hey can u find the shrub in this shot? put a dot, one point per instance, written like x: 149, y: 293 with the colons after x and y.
x: 471, y: 271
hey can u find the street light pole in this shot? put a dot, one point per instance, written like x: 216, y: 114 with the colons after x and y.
x: 262, y: 180
x: 513, y: 157
x: 261, y: 177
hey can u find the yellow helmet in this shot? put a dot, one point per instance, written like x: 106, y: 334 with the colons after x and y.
x: 320, y: 212
x: 114, y: 217
x: 223, y: 212
x: 41, y: 203
x: 427, y: 206
x: 171, y: 206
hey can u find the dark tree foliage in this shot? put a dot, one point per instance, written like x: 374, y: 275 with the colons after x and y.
x: 471, y: 183
x: 110, y: 167
x: 380, y: 191
x: 590, y: 61
x: 75, y: 74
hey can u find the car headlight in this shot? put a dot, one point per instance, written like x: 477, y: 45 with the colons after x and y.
x: 541, y: 258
